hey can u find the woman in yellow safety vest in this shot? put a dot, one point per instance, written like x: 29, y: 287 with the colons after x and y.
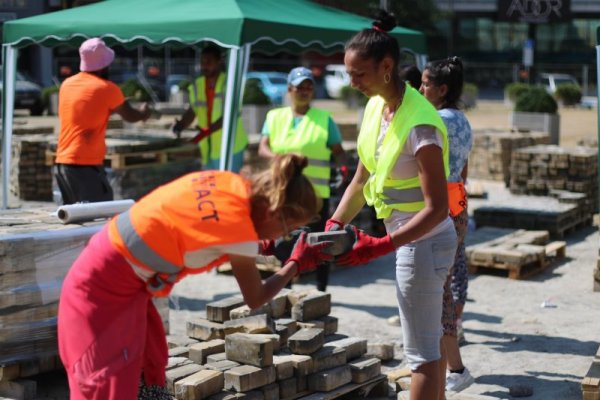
x: 402, y: 169
x: 442, y: 85
x: 312, y: 132
x: 109, y: 332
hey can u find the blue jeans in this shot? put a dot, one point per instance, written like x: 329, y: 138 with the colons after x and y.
x: 421, y: 270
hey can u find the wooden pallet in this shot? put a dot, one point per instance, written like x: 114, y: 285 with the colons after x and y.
x: 143, y: 158
x: 590, y: 385
x: 521, y: 254
x: 376, y: 387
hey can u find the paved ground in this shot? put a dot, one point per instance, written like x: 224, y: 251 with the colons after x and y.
x: 511, y: 339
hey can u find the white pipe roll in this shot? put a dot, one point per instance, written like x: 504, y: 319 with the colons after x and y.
x: 81, y: 212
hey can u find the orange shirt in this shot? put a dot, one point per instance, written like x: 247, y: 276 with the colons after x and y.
x: 85, y: 102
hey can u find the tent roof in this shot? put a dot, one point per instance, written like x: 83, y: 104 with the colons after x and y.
x: 266, y: 24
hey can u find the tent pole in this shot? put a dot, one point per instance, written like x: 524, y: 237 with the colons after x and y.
x: 230, y: 108
x: 9, y: 60
x: 598, y: 105
x: 236, y: 70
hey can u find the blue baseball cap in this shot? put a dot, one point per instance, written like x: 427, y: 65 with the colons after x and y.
x: 299, y: 75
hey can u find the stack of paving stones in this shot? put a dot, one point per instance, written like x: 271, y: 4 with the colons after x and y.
x: 30, y: 177
x: 570, y: 174
x: 286, y: 349
x: 36, y: 252
x: 490, y: 156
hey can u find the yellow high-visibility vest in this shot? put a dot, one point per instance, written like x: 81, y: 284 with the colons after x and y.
x: 381, y: 191
x: 210, y: 147
x: 309, y: 138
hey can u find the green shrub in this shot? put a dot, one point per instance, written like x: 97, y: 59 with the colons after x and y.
x: 568, y: 93
x: 536, y: 99
x: 352, y: 97
x: 133, y: 89
x: 469, y: 95
x: 514, y: 89
x: 47, y: 92
x: 183, y: 85
x: 253, y: 94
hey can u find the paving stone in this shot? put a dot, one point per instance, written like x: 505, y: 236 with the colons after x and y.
x: 327, y: 380
x: 203, y: 329
x: 248, y: 377
x: 355, y: 347
x: 174, y: 362
x: 283, y: 366
x: 364, y: 369
x: 271, y: 391
x: 253, y: 324
x: 328, y: 357
x: 245, y: 311
x: 303, y: 364
x: 249, y: 349
x: 216, y: 357
x: 306, y: 341
x: 175, y: 374
x: 383, y: 351
x: 288, y: 388
x: 222, y: 365
x: 312, y: 306
x: 200, y: 385
x: 218, y: 311
x: 200, y: 351
x: 179, y: 352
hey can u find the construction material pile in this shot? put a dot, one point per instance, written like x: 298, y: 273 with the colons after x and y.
x: 571, y: 174
x: 492, y: 150
x: 286, y: 349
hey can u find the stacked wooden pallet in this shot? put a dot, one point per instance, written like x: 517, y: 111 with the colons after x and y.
x: 30, y: 177
x: 492, y: 149
x: 138, y: 163
x: 590, y: 385
x: 286, y: 349
x: 519, y: 253
x: 539, y: 170
x: 36, y: 252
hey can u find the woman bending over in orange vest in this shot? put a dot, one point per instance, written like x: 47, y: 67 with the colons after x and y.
x: 109, y: 331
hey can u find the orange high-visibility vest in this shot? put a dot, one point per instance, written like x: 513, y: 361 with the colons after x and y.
x: 166, y: 234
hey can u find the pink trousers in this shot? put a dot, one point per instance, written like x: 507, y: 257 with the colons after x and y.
x: 109, y: 331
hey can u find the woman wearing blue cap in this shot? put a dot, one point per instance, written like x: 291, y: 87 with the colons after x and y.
x: 311, y: 132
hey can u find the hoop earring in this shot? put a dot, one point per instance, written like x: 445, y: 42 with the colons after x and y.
x: 387, y: 78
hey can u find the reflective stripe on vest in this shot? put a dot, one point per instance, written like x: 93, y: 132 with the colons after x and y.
x: 210, y: 147
x: 166, y: 271
x: 411, y: 195
x: 309, y: 138
x: 381, y: 191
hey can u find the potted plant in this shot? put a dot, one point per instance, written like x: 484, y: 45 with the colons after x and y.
x: 512, y: 91
x: 568, y: 94
x: 536, y: 110
x: 256, y: 104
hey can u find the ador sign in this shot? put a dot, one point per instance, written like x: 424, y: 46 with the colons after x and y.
x: 534, y: 11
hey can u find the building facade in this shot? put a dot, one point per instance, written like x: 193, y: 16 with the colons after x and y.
x: 492, y: 37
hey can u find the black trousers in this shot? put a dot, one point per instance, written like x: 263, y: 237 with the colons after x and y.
x: 83, y: 183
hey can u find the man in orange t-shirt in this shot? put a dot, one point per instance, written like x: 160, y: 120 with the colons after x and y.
x: 86, y: 101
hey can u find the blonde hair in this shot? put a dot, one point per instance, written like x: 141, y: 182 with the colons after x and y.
x: 284, y: 187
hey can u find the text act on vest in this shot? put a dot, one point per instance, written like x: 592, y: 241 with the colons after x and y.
x: 203, y: 186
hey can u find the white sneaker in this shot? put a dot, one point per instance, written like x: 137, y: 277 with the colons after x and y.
x: 456, y: 382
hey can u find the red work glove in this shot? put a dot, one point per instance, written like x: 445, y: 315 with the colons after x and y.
x: 204, y: 132
x: 333, y: 225
x: 306, y: 256
x: 266, y: 247
x: 366, y: 248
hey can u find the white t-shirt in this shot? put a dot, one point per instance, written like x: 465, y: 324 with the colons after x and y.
x: 406, y: 167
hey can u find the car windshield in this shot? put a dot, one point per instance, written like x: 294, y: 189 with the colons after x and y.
x: 277, y: 80
x: 560, y: 81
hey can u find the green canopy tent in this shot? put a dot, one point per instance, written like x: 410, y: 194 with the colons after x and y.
x: 238, y: 25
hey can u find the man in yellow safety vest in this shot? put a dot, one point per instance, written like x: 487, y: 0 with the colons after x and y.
x: 206, y: 106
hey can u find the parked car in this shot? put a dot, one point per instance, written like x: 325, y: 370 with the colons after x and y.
x: 273, y: 84
x: 551, y: 81
x: 336, y: 78
x: 28, y: 95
